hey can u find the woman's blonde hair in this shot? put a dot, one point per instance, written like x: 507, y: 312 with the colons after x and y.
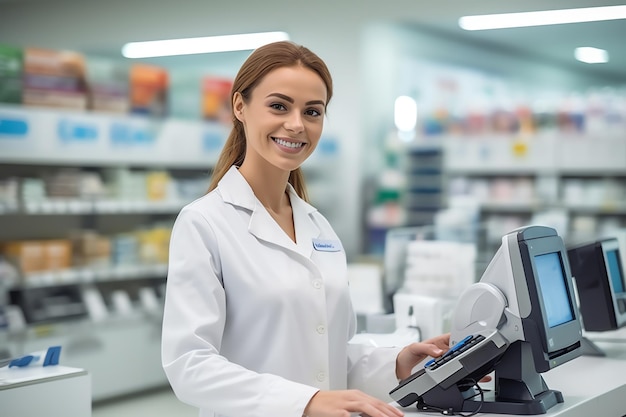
x: 262, y: 61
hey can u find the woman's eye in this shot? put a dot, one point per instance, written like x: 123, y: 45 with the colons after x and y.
x: 313, y: 112
x: 277, y: 106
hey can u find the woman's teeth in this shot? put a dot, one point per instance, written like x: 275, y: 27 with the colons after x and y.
x: 288, y: 144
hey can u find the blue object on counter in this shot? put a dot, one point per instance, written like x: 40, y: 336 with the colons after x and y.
x: 47, y: 358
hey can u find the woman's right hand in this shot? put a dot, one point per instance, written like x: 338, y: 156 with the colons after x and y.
x: 346, y: 402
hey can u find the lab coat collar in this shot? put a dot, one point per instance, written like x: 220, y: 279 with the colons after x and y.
x: 235, y: 190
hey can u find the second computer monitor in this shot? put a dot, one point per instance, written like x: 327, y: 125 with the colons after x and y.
x: 599, y: 276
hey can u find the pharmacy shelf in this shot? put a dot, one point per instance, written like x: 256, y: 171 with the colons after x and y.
x: 70, y: 138
x: 87, y: 275
x: 579, y: 176
x: 71, y: 207
x: 74, y: 138
x: 543, y: 154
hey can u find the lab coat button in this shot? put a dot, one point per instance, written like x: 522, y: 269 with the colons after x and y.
x: 321, y: 329
x: 321, y: 376
x: 317, y: 284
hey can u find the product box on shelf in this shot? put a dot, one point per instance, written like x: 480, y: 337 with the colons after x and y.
x: 57, y: 254
x: 158, y: 185
x: 108, y: 86
x: 216, y: 99
x: 39, y: 255
x: 148, y: 89
x: 10, y: 74
x: 54, y: 78
x: 154, y: 245
x: 27, y: 256
x: 90, y: 248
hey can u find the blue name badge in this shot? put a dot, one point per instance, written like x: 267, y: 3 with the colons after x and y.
x: 327, y: 245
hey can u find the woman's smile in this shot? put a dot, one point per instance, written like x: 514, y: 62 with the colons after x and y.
x: 288, y: 145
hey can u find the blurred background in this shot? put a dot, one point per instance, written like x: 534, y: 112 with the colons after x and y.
x: 434, y: 132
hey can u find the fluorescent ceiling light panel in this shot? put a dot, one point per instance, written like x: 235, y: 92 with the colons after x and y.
x: 205, y: 45
x: 591, y: 55
x: 541, y: 18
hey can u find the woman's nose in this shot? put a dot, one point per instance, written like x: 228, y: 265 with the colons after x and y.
x: 294, y: 122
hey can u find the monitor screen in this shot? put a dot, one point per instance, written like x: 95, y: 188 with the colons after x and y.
x: 615, y: 270
x: 553, y: 289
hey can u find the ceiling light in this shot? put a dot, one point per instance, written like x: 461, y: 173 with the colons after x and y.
x: 203, y: 45
x: 405, y: 113
x: 541, y: 18
x: 591, y: 55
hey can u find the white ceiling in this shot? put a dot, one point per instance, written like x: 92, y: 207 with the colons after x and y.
x: 102, y: 27
x: 553, y: 43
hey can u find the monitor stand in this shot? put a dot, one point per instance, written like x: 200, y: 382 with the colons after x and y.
x: 589, y: 348
x: 519, y: 389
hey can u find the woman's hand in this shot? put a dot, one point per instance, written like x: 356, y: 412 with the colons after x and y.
x: 345, y: 402
x: 414, y: 353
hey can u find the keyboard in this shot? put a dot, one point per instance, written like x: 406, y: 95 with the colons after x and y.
x: 463, y: 346
x: 472, y: 357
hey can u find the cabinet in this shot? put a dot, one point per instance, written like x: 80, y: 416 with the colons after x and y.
x: 577, y: 183
x: 88, y: 201
x: 53, y: 391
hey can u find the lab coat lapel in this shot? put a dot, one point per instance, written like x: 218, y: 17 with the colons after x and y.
x: 264, y: 227
x: 306, y: 228
x: 235, y: 190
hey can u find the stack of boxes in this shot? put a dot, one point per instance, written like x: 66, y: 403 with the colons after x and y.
x: 67, y: 79
x: 32, y: 256
x: 54, y: 79
x: 10, y: 74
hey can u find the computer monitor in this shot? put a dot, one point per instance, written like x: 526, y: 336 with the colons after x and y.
x: 526, y: 296
x: 599, y: 276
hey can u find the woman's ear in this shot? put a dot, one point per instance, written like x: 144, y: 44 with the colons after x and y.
x: 238, y: 105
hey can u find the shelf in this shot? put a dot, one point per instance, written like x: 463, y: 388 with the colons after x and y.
x: 511, y: 207
x: 82, y: 207
x: 604, y: 209
x: 543, y: 155
x: 70, y: 138
x: 578, y: 208
x: 74, y: 138
x: 79, y: 275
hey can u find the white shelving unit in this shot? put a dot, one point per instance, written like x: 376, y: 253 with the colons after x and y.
x: 581, y: 176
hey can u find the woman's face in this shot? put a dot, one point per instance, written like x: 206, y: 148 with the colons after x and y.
x: 283, y: 118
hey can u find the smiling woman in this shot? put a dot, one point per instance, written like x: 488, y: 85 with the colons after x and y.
x: 258, y: 313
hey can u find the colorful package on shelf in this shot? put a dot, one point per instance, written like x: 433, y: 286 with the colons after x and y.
x: 108, y: 86
x: 154, y: 245
x: 63, y: 183
x: 90, y: 248
x: 57, y: 254
x: 54, y: 78
x: 148, y: 90
x: 216, y: 99
x: 39, y: 255
x: 158, y: 185
x: 27, y: 256
x: 10, y: 74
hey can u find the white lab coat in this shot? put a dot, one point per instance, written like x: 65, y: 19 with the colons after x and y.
x: 255, y: 324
